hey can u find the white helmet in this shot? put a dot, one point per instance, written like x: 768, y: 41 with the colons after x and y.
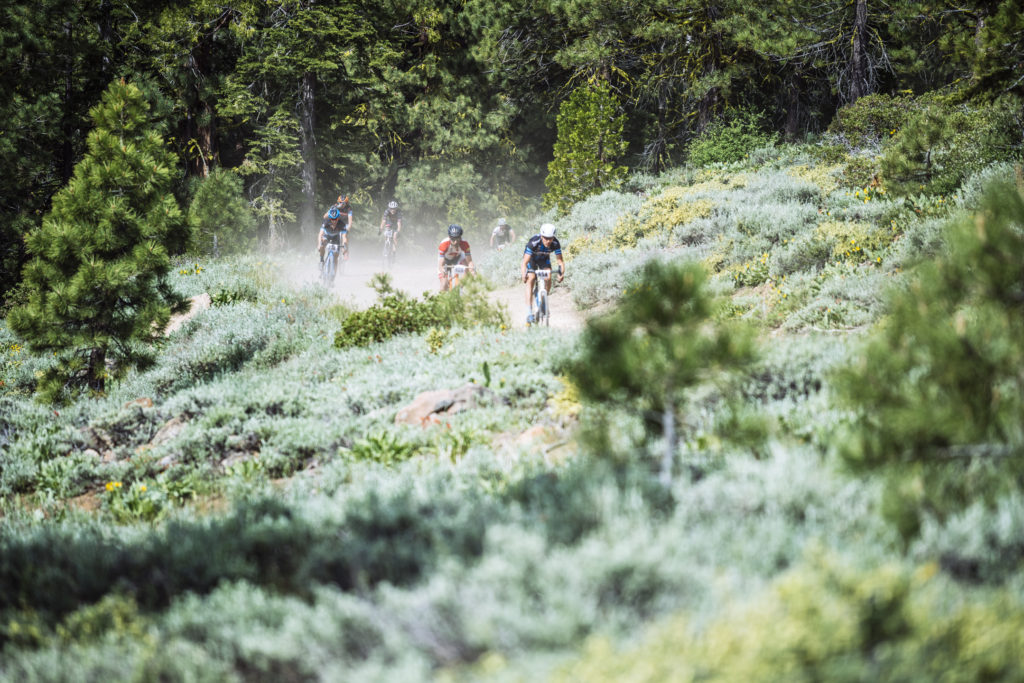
x: 547, y: 230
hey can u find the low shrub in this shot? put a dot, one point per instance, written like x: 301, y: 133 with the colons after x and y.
x: 873, y: 118
x: 827, y: 621
x: 945, y: 143
x: 731, y: 141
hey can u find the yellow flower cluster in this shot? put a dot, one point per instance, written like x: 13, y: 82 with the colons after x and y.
x: 868, y: 193
x: 113, y: 485
x: 194, y: 270
x: 825, y: 177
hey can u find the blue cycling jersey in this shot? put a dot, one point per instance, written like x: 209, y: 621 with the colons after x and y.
x: 540, y: 255
x: 333, y: 232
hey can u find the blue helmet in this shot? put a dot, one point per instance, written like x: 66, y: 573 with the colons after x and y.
x: 455, y: 231
x: 333, y: 213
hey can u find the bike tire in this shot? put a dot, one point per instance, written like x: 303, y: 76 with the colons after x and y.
x: 542, y: 306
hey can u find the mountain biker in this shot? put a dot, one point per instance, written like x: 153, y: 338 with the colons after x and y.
x: 502, y: 235
x: 337, y: 223
x: 391, y: 220
x: 453, y: 251
x: 332, y: 232
x: 537, y: 256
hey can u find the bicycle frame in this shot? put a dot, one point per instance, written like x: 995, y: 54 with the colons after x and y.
x: 389, y: 247
x: 539, y: 296
x: 453, y: 274
x: 329, y: 268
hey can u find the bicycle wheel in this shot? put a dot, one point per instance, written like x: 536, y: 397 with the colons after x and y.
x: 544, y: 315
x: 331, y: 269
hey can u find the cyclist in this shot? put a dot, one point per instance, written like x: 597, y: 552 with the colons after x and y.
x: 453, y: 251
x: 391, y: 220
x: 537, y: 256
x: 337, y: 222
x: 332, y: 232
x: 502, y: 235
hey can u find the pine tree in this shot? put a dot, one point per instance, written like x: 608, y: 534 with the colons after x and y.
x: 96, y: 279
x: 657, y: 345
x: 939, y: 390
x: 589, y: 143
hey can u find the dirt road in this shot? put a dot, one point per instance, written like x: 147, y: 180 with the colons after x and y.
x: 415, y: 273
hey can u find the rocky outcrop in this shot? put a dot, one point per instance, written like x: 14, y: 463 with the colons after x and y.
x: 432, y: 407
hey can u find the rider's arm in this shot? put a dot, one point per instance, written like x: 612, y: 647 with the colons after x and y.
x: 522, y: 266
x: 561, y: 267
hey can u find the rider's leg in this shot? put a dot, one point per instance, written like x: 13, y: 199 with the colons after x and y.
x: 530, y: 277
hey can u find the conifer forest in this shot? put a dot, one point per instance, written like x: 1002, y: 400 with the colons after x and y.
x: 766, y: 425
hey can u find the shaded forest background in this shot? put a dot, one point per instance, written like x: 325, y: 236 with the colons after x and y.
x: 451, y: 106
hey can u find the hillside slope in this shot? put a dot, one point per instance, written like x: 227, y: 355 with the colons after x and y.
x: 256, y: 513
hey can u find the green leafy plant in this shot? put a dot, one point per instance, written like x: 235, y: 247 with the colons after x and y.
x: 938, y: 390
x: 97, y: 285
x: 724, y: 143
x: 945, y: 143
x: 590, y: 142
x: 221, y: 218
x: 382, y: 447
x: 658, y: 344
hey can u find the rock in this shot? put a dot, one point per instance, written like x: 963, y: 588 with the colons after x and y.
x: 428, y: 407
x: 533, y: 434
x: 168, y: 431
x: 97, y: 438
x: 91, y: 453
x: 141, y: 402
x: 167, y: 461
x: 199, y: 303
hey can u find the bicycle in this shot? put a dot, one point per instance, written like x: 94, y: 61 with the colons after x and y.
x: 539, y: 308
x: 453, y: 275
x: 390, y: 247
x: 329, y: 266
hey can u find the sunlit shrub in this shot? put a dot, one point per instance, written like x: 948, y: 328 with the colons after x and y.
x: 730, y: 141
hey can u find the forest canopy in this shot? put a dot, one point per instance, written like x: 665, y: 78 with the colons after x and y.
x: 450, y: 106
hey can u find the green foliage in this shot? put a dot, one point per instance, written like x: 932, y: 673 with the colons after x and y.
x: 873, y: 118
x: 827, y: 621
x: 97, y: 282
x: 384, y: 448
x: 397, y: 313
x: 945, y: 143
x: 656, y: 346
x: 590, y: 142
x: 937, y: 392
x: 220, y: 217
x: 730, y: 141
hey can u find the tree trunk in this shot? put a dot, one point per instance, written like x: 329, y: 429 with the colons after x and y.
x: 859, y: 83
x: 307, y: 125
x: 668, y: 426
x: 97, y: 370
x: 793, y: 107
x: 67, y: 149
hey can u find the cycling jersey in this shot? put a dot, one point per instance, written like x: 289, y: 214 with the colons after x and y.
x: 453, y: 251
x: 391, y: 220
x: 502, y: 234
x: 540, y: 255
x: 332, y: 230
x: 345, y: 209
